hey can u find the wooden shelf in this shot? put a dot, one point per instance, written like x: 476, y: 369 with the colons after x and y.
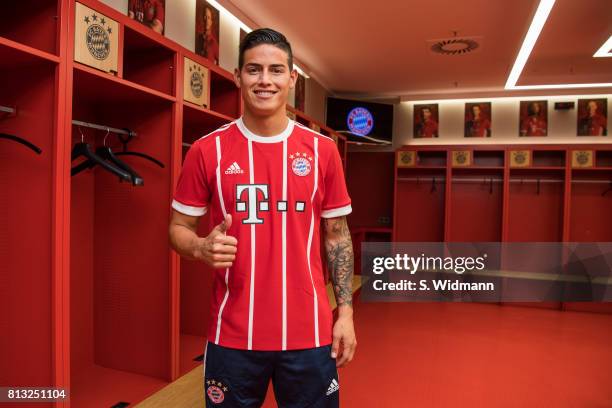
x: 14, y: 55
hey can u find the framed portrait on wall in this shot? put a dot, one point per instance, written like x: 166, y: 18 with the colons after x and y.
x: 477, y: 119
x: 151, y: 13
x: 533, y: 118
x: 425, y: 120
x: 592, y: 117
x: 207, y: 31
x: 300, y: 93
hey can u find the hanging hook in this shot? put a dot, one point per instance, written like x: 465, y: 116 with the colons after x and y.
x: 105, y: 136
x: 81, y: 132
x: 433, y: 185
x: 491, y: 186
x: 538, y: 186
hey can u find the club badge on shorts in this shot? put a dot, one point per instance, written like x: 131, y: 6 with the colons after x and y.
x: 300, y: 164
x: 216, y: 391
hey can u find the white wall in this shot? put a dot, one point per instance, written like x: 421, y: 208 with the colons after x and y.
x: 180, y: 27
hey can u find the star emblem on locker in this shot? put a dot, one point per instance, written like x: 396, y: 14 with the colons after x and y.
x: 300, y: 163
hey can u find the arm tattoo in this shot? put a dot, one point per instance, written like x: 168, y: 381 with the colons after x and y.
x: 339, y: 248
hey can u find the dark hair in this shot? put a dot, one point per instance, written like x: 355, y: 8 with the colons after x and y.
x: 265, y: 36
x: 531, y: 108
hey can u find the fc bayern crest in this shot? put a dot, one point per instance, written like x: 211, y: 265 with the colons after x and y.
x: 520, y: 157
x: 582, y: 158
x: 461, y: 157
x: 300, y: 164
x: 196, y: 83
x: 360, y: 121
x: 97, y: 37
x: 215, y: 394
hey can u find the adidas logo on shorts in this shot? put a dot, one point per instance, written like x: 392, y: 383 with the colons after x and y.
x: 333, y: 387
x: 234, y: 169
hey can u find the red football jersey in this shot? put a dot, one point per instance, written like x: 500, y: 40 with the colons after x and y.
x: 276, y: 188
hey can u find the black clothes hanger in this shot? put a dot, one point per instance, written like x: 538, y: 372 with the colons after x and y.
x: 125, y: 139
x: 24, y: 142
x: 107, y: 154
x: 84, y: 150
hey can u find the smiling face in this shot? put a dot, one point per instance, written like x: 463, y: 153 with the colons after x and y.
x: 265, y: 80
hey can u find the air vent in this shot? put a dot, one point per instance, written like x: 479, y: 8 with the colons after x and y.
x: 454, y: 45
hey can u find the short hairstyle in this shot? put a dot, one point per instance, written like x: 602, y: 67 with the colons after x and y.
x: 265, y: 36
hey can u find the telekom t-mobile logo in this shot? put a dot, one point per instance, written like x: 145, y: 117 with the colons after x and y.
x: 250, y: 202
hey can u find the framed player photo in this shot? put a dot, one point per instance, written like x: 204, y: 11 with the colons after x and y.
x: 592, y: 117
x: 533, y: 118
x: 207, y: 31
x: 300, y: 93
x: 425, y: 121
x: 148, y: 12
x: 477, y: 122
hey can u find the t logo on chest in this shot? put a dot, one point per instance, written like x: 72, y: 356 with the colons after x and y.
x: 247, y: 200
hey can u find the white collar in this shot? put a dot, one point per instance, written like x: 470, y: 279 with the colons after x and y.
x: 265, y: 139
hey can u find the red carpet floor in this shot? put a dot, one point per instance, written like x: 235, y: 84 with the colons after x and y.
x: 477, y: 355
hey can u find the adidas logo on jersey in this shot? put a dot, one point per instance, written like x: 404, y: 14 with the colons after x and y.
x: 234, y: 169
x: 333, y: 387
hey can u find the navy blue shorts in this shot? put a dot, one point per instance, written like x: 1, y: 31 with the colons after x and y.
x: 240, y: 378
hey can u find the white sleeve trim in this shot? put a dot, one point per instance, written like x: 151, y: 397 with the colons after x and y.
x: 337, y: 212
x: 188, y: 210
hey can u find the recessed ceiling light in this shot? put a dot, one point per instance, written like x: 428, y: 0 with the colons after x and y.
x: 533, y: 33
x: 605, y: 50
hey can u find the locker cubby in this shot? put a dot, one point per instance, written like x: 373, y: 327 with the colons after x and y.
x: 488, y: 158
x: 603, y: 158
x: 196, y: 278
x: 33, y: 23
x: 119, y: 256
x: 548, y: 158
x: 147, y: 62
x: 199, y: 121
x: 535, y: 205
x: 419, y: 205
x: 28, y: 85
x: 590, y: 219
x: 224, y: 95
x: 476, y: 205
x: 431, y: 158
x: 196, y: 281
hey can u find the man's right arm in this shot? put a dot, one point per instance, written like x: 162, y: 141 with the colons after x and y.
x: 217, y: 249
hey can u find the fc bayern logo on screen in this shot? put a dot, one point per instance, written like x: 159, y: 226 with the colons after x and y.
x: 360, y: 121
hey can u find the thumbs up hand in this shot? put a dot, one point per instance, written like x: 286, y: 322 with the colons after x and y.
x: 218, y: 249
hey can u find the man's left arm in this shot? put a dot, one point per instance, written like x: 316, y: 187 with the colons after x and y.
x: 340, y: 260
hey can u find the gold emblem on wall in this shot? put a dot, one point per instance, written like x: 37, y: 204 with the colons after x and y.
x: 195, y: 83
x: 461, y: 158
x: 406, y: 158
x: 582, y: 158
x: 520, y: 158
x: 95, y: 39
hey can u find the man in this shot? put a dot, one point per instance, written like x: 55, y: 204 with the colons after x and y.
x: 427, y: 127
x: 478, y: 125
x: 267, y: 181
x: 592, y: 123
